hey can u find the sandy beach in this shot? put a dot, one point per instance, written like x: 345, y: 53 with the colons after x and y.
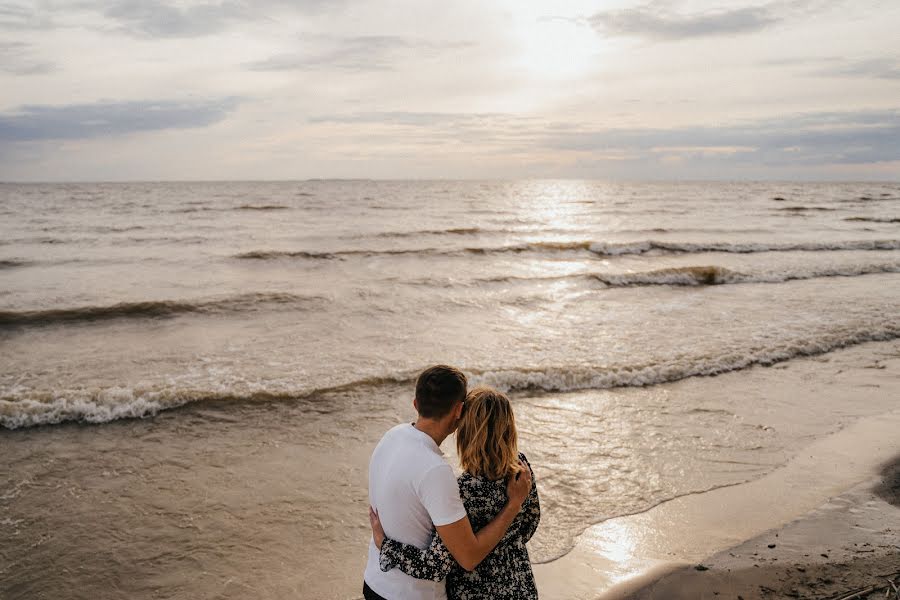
x: 825, y: 525
x: 849, y: 545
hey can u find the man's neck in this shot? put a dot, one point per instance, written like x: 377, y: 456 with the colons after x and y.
x: 433, y: 428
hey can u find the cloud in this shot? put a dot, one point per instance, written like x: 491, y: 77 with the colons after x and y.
x: 104, y: 119
x: 862, y: 137
x: 415, y: 119
x: 876, y: 68
x: 168, y: 19
x: 17, y: 17
x: 358, y: 53
x: 16, y: 58
x: 814, y: 139
x: 657, y: 22
x: 158, y: 19
x: 149, y: 18
x: 885, y: 67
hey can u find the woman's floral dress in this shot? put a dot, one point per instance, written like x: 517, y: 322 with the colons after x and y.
x: 504, y: 574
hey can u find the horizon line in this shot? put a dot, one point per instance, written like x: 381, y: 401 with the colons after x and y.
x: 443, y: 179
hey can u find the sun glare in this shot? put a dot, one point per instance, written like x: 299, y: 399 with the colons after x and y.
x: 558, y: 203
x: 556, y: 48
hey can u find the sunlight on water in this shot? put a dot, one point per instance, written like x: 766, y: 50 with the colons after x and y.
x: 617, y: 541
x: 288, y: 320
x: 557, y: 204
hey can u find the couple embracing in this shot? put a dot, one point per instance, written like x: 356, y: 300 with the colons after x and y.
x: 435, y: 536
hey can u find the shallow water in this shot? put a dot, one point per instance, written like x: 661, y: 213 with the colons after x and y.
x: 292, y: 317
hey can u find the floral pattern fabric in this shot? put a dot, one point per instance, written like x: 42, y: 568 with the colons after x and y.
x: 505, y: 574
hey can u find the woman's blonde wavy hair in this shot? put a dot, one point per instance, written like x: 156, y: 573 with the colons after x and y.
x: 486, y: 439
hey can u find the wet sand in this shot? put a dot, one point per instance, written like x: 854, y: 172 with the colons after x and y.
x: 826, y: 522
x: 849, y: 545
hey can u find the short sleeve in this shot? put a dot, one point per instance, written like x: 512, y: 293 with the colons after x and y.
x: 439, y: 493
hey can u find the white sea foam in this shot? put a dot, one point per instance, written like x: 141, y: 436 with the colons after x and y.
x: 26, y: 408
x: 562, y: 379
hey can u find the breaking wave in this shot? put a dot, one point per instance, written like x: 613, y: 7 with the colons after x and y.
x: 599, y: 248
x: 27, y: 408
x: 564, y: 379
x: 715, y: 275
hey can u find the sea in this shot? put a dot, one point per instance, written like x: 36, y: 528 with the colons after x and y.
x: 193, y: 375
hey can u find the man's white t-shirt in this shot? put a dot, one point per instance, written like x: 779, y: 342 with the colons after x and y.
x: 413, y: 489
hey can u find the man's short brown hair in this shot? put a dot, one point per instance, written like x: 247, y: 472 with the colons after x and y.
x: 438, y: 389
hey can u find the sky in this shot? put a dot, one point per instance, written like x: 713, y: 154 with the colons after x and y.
x: 411, y: 89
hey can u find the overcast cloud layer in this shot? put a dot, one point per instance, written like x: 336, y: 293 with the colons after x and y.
x: 288, y: 89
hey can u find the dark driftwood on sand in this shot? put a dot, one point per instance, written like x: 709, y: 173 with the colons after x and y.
x: 891, y: 586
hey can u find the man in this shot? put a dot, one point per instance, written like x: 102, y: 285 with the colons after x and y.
x: 413, y: 490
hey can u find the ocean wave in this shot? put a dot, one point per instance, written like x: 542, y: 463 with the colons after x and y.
x: 312, y: 254
x: 566, y: 379
x: 12, y: 263
x: 275, y: 254
x: 151, y: 309
x: 551, y: 246
x: 27, y: 408
x: 452, y: 231
x: 689, y: 276
x: 874, y: 219
x: 598, y: 248
x: 114, y: 229
x: 515, y: 248
x: 716, y: 275
x: 643, y: 247
x: 869, y: 199
x: 262, y: 207
x: 805, y: 209
x: 194, y: 209
x: 692, y: 275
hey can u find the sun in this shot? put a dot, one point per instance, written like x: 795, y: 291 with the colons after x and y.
x: 556, y: 48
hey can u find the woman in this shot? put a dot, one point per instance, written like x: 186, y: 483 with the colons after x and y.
x: 486, y: 443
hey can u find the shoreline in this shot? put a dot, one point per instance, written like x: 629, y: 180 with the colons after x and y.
x: 654, y: 554
x: 209, y: 502
x: 850, y: 545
